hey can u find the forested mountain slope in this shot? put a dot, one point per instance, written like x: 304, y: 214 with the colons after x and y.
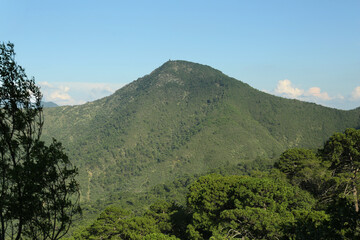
x: 183, y: 118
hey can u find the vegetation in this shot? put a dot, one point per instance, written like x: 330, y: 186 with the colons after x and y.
x: 286, y: 202
x: 245, y: 160
x: 37, y: 182
x: 183, y: 119
x: 342, y: 150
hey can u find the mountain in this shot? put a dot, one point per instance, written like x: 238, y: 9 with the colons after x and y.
x: 182, y: 118
x: 49, y: 104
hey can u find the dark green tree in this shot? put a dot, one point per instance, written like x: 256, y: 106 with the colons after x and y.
x: 38, y: 190
x: 248, y: 208
x: 117, y: 223
x: 294, y: 160
x: 305, y: 169
x: 344, y: 221
x: 342, y: 151
x: 159, y: 236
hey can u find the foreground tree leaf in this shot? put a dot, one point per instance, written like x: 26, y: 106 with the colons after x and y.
x: 342, y: 150
x: 246, y: 207
x: 38, y: 191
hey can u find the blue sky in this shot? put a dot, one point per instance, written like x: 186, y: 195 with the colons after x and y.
x: 79, y: 51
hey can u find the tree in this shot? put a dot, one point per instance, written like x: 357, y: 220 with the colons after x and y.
x: 117, y: 223
x: 159, y: 236
x: 293, y: 160
x: 305, y: 169
x: 342, y: 150
x: 247, y: 207
x: 38, y: 192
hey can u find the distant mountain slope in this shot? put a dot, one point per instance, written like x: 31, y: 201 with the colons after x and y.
x: 183, y: 118
x: 49, y: 104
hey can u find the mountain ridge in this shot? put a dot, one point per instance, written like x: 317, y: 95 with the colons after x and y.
x: 183, y: 118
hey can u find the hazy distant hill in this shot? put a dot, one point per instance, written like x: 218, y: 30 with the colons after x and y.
x: 49, y: 104
x: 183, y: 118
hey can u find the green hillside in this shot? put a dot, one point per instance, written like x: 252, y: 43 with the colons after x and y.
x: 183, y: 118
x: 49, y: 104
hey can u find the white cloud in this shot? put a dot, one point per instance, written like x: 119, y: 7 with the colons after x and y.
x: 60, y: 94
x: 284, y: 87
x: 57, y: 93
x: 355, y: 95
x: 45, y: 84
x: 73, y: 93
x: 316, y: 92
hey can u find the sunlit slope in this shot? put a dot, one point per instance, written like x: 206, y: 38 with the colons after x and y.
x: 183, y: 118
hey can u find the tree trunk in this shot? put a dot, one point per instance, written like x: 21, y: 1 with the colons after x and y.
x: 356, y: 201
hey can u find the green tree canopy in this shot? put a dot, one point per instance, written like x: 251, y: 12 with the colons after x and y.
x: 255, y: 208
x: 305, y: 169
x: 342, y: 151
x: 294, y: 160
x: 117, y: 223
x: 38, y: 191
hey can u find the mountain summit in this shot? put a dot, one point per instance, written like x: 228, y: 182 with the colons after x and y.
x: 183, y: 118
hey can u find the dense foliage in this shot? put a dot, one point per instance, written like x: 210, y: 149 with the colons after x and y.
x: 342, y: 151
x: 38, y: 190
x: 182, y: 119
x: 301, y: 198
x: 145, y: 154
x: 256, y: 208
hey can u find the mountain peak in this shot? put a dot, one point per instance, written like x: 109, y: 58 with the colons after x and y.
x: 178, y: 63
x: 179, y: 74
x: 181, y: 66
